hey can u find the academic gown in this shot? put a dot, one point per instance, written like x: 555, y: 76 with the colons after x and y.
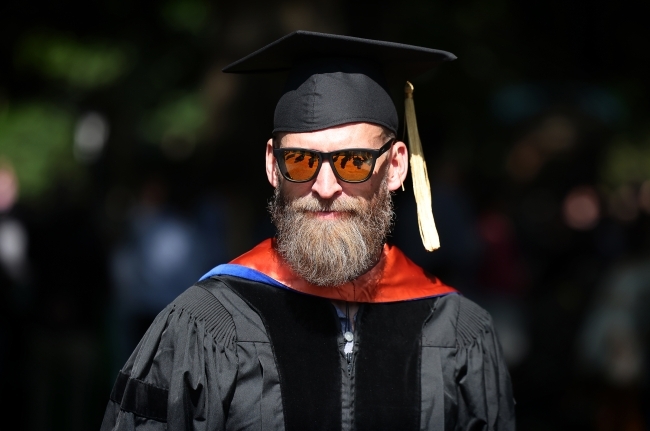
x: 250, y: 348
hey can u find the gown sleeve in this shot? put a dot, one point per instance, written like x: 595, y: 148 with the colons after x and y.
x: 485, y: 400
x: 181, y: 376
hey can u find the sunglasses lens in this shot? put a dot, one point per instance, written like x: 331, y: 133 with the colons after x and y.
x: 299, y: 165
x: 353, y: 166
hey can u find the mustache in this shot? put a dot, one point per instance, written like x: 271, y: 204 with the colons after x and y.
x: 314, y: 204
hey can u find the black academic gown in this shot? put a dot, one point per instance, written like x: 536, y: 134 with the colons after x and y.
x: 236, y: 354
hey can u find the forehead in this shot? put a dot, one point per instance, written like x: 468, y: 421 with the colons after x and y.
x: 354, y: 135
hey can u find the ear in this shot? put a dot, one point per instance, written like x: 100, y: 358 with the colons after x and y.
x: 398, y: 168
x: 271, y: 171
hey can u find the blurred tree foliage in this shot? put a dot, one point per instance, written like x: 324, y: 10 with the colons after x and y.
x: 36, y: 139
x: 182, y: 117
x: 139, y: 65
x: 191, y: 16
x: 63, y: 59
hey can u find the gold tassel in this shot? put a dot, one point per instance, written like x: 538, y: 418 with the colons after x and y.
x: 421, y: 187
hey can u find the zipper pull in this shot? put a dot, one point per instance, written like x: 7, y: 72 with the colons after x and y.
x: 349, y: 347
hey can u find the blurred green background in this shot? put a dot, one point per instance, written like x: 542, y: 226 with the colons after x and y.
x: 119, y: 133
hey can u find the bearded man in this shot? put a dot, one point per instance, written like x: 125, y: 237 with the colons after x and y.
x: 325, y: 326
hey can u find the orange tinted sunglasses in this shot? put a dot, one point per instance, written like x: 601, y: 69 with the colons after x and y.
x: 352, y: 165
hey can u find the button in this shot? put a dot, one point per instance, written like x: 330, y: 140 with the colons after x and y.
x: 348, y: 336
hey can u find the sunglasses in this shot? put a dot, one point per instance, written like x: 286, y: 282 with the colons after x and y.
x: 352, y: 165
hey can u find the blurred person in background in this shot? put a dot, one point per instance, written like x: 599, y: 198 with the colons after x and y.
x: 324, y: 326
x: 163, y: 250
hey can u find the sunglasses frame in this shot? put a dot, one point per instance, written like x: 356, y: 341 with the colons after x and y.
x: 279, y: 157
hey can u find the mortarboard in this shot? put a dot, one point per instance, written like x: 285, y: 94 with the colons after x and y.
x: 334, y: 80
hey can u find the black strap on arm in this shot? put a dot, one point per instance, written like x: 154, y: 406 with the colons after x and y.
x: 140, y: 398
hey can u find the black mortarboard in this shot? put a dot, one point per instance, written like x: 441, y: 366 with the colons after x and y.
x: 335, y: 80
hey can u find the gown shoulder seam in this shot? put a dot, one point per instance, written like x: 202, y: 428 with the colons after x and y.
x: 202, y: 305
x: 471, y: 323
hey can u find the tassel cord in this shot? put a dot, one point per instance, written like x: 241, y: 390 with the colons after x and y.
x: 419, y: 175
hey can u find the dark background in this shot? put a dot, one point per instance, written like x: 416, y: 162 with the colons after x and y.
x: 130, y: 165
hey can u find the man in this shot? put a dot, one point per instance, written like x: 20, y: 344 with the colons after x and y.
x: 325, y: 327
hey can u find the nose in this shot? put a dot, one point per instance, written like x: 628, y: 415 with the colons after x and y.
x: 326, y: 185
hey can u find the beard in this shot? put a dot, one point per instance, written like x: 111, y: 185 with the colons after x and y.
x: 331, y: 252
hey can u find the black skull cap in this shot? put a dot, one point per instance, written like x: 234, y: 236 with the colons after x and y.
x: 335, y: 80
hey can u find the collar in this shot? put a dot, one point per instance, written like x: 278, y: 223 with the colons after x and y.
x: 394, y: 278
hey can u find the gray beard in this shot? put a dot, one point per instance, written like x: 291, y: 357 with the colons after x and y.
x: 332, y: 252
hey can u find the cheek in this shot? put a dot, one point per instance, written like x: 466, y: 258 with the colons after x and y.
x: 366, y: 189
x: 295, y: 190
x: 374, y: 183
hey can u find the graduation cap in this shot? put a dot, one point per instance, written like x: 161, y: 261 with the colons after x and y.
x: 335, y: 80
